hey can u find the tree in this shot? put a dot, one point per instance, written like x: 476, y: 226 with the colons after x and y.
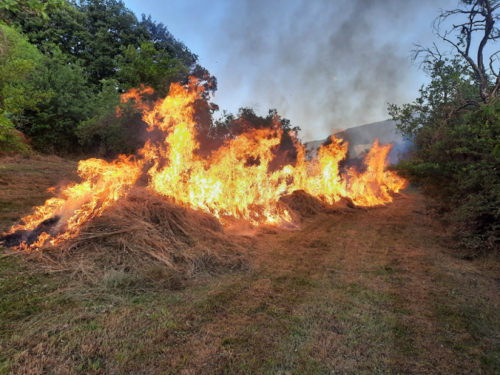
x: 91, y: 31
x: 53, y: 123
x: 211, y: 134
x: 94, y: 50
x: 164, y: 41
x: 17, y: 92
x: 479, y: 17
x: 455, y: 128
x: 13, y: 9
x: 149, y: 66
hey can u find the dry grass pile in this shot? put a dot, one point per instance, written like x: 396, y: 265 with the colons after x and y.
x: 307, y: 206
x: 145, y: 238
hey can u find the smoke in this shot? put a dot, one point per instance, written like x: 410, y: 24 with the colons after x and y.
x: 326, y: 65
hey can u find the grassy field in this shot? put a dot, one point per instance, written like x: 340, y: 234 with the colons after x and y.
x: 355, y: 292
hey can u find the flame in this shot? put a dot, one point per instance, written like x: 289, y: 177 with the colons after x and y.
x: 103, y: 183
x: 233, y: 183
x: 374, y: 185
x: 228, y: 186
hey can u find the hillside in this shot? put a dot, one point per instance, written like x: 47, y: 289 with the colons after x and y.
x: 362, y: 137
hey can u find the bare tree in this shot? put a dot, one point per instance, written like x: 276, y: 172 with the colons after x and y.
x: 479, y: 18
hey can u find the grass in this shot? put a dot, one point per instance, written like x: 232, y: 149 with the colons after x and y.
x: 351, y: 293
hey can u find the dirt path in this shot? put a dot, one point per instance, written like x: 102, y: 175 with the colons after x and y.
x: 354, y: 292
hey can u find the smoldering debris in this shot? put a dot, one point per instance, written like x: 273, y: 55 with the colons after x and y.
x: 29, y: 237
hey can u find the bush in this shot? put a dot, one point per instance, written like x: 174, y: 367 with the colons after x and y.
x: 457, y: 162
x: 10, y: 139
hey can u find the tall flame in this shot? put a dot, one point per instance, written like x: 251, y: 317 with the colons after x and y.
x: 234, y: 182
x: 227, y: 186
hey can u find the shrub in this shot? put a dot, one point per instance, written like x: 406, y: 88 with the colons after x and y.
x: 457, y: 162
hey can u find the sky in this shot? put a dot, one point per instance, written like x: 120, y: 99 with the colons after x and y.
x: 327, y: 65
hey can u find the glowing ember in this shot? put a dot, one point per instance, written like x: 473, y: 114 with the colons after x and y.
x: 225, y: 185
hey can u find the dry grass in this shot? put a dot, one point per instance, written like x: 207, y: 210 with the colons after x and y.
x: 351, y: 292
x: 307, y: 206
x: 24, y: 182
x: 145, y: 238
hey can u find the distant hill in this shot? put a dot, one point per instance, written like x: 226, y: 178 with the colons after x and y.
x: 361, y: 138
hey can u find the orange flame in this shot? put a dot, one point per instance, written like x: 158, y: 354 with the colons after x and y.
x: 103, y: 183
x: 233, y: 183
x: 227, y: 186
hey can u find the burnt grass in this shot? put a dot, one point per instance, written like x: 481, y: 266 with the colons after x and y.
x: 353, y: 292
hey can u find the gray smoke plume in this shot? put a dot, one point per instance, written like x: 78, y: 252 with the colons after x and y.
x: 327, y: 65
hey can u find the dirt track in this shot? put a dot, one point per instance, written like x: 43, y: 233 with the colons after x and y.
x: 357, y: 291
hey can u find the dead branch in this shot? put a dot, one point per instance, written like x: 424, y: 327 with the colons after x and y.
x: 481, y: 19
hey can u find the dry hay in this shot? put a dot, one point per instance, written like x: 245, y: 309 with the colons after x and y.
x: 144, y: 237
x: 306, y: 206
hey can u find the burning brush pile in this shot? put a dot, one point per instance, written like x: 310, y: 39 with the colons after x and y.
x: 107, y: 222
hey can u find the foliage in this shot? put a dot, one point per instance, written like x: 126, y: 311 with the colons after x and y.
x: 455, y: 156
x: 149, y: 66
x: 17, y: 67
x: 53, y: 124
x: 451, y: 84
x: 93, y: 50
x: 455, y: 126
x: 13, y: 9
x: 213, y: 133
x: 108, y: 134
x: 102, y: 34
x: 10, y: 139
x: 17, y: 91
x: 164, y: 41
x: 92, y: 32
x: 471, y: 20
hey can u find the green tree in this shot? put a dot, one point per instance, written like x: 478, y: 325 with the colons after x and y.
x: 164, y: 41
x: 95, y: 49
x: 213, y: 133
x: 14, y: 9
x: 107, y: 134
x: 151, y: 67
x: 455, y: 128
x: 52, y: 125
x: 17, y: 91
x: 92, y: 32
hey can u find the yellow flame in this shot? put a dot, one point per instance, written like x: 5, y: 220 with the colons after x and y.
x: 226, y: 184
x: 103, y: 184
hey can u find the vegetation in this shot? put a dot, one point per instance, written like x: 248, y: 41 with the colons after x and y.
x: 18, y: 63
x: 16, y: 9
x: 85, y: 54
x: 88, y: 53
x: 455, y: 127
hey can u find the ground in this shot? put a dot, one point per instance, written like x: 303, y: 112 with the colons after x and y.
x: 354, y: 292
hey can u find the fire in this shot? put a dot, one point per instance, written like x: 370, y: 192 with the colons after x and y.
x: 103, y: 183
x: 233, y: 183
x: 374, y: 185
